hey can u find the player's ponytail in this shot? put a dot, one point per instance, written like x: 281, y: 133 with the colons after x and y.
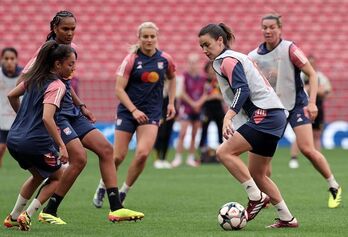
x: 49, y: 53
x: 216, y: 31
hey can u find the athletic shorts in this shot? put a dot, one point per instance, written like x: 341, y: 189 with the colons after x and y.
x: 74, y: 127
x: 45, y: 162
x: 130, y: 125
x: 3, y: 136
x: 298, y: 116
x: 262, y: 144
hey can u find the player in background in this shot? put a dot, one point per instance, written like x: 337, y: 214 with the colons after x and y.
x: 191, y: 100
x: 139, y: 87
x: 78, y: 132
x: 281, y: 61
x: 254, y: 122
x: 164, y: 133
x: 324, y: 89
x: 9, y: 74
x: 30, y: 137
x: 212, y: 109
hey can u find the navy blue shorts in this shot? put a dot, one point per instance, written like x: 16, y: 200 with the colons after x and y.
x: 3, y: 136
x: 263, y: 144
x: 74, y: 127
x: 130, y: 125
x: 297, y: 116
x: 45, y: 162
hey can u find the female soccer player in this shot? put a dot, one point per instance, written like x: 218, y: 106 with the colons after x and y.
x: 281, y: 62
x: 9, y: 73
x: 78, y: 132
x: 250, y: 97
x: 139, y: 87
x: 191, y: 100
x: 30, y: 137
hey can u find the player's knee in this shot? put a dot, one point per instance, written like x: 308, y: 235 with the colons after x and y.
x: 141, y: 155
x: 106, y: 151
x: 220, y: 153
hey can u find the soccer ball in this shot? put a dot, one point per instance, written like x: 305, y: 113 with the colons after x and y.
x: 232, y: 216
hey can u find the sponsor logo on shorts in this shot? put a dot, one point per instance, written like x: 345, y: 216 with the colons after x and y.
x: 67, y: 131
x: 118, y: 122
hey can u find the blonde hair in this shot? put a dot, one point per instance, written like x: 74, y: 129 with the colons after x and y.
x: 273, y: 16
x: 147, y: 24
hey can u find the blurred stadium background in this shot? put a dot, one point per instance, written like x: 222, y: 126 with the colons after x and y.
x: 106, y: 28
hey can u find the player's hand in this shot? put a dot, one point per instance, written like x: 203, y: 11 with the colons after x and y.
x: 312, y: 111
x: 89, y: 115
x: 170, y: 112
x: 64, y: 156
x: 140, y: 117
x: 227, y: 127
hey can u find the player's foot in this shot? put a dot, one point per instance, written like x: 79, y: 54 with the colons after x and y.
x: 335, y: 197
x: 162, y: 164
x: 122, y: 197
x: 50, y: 219
x: 176, y: 162
x: 24, y: 221
x: 192, y: 162
x: 124, y: 214
x: 293, y: 163
x: 293, y: 223
x: 9, y: 222
x: 98, y: 197
x: 254, y: 207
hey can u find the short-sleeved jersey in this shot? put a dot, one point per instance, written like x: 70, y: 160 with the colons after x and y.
x: 145, y: 77
x: 7, y: 83
x: 28, y: 130
x: 194, y: 88
x: 68, y: 107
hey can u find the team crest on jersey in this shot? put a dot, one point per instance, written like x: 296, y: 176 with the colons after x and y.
x: 160, y: 65
x: 140, y: 65
x: 67, y: 131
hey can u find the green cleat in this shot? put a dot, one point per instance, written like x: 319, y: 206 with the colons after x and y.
x: 9, y: 222
x: 50, y: 219
x: 24, y: 221
x: 124, y: 214
x: 335, y: 197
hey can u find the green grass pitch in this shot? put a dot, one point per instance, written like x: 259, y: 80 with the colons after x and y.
x: 185, y: 201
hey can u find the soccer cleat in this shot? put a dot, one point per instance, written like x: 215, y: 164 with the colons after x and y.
x: 176, y: 162
x: 192, y: 163
x: 122, y: 197
x: 50, y: 219
x: 284, y: 224
x: 98, y: 197
x: 24, y: 221
x: 335, y: 197
x: 124, y: 214
x: 9, y: 222
x: 254, y: 207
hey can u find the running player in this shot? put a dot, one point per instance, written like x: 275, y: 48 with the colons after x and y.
x: 255, y: 122
x: 281, y: 62
x: 9, y: 73
x: 139, y: 87
x: 30, y: 137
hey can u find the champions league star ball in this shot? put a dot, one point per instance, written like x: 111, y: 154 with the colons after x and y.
x: 232, y: 216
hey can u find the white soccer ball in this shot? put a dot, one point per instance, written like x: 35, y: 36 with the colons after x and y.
x: 232, y: 216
